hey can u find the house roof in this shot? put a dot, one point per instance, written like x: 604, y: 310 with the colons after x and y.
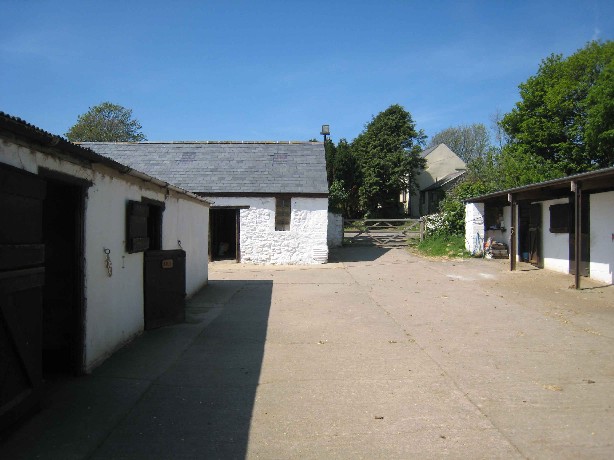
x: 445, y: 180
x: 597, y: 181
x: 425, y: 152
x: 228, y: 168
x: 16, y: 129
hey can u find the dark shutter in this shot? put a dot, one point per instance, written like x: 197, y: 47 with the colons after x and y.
x: 136, y: 227
x: 560, y: 218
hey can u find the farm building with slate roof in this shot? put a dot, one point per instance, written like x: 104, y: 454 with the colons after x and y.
x: 270, y: 199
x: 82, y: 239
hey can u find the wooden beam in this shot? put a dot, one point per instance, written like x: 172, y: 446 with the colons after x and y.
x: 512, y: 200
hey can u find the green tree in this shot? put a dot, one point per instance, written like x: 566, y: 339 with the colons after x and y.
x: 347, y: 175
x: 565, y: 115
x: 330, y: 153
x: 467, y: 141
x: 106, y: 122
x: 599, y: 130
x: 388, y: 152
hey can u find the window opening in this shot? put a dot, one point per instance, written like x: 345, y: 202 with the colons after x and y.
x: 283, y: 212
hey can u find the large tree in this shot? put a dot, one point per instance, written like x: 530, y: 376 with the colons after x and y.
x: 566, y: 114
x: 106, y: 122
x: 347, y: 178
x: 388, y: 152
x: 467, y: 141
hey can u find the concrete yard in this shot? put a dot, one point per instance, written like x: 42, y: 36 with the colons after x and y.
x: 379, y: 354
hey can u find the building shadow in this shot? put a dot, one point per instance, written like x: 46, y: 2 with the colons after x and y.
x: 182, y: 391
x: 356, y: 253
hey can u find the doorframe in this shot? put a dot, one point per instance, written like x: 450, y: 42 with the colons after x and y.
x: 237, y: 210
x: 82, y: 185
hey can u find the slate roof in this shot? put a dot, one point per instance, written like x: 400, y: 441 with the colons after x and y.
x: 236, y: 168
x: 445, y: 180
x: 13, y: 127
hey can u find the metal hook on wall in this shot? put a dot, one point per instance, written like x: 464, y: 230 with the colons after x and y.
x: 108, y: 263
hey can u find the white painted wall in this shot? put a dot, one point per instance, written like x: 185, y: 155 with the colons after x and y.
x: 602, y: 237
x: 185, y: 221
x: 304, y: 243
x: 474, y: 227
x: 335, y: 230
x: 555, y: 246
x: 114, y: 304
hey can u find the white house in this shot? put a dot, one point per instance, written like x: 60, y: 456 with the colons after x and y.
x: 74, y: 276
x: 442, y: 171
x: 269, y: 199
x: 540, y: 222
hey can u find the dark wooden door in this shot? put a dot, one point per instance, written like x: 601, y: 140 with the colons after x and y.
x: 164, y: 288
x: 585, y: 241
x: 22, y: 276
x: 535, y: 234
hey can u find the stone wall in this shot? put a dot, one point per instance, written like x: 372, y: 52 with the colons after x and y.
x: 260, y: 243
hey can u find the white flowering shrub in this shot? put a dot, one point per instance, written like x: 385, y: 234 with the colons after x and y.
x: 441, y: 223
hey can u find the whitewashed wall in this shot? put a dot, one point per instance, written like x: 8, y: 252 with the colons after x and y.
x: 602, y: 237
x: 304, y: 243
x: 114, y: 305
x: 555, y: 246
x: 474, y: 227
x: 335, y: 230
x: 185, y: 221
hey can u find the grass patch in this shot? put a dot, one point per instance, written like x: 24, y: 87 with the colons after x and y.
x: 452, y: 246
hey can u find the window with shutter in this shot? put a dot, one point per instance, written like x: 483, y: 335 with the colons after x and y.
x: 560, y: 218
x: 283, y: 211
x: 137, y: 239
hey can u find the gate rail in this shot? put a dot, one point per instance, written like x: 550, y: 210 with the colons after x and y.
x: 382, y: 232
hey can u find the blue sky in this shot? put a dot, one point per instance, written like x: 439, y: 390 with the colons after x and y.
x: 278, y: 70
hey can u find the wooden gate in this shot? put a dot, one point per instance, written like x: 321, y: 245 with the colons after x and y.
x: 22, y: 276
x: 381, y: 232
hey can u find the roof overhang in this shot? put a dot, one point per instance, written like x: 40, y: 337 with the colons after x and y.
x: 16, y: 129
x: 601, y: 180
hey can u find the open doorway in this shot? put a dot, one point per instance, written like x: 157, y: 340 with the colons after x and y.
x: 63, y: 304
x: 224, y: 234
x: 530, y: 233
x: 585, y: 246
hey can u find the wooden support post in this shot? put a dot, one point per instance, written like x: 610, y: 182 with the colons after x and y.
x: 512, y: 200
x: 577, y: 189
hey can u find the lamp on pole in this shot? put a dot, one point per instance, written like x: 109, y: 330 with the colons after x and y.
x: 325, y: 131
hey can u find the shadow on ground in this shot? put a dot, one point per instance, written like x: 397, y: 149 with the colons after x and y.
x: 183, y: 391
x: 356, y: 253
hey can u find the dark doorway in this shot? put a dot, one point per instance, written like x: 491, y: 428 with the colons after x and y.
x: 584, y: 242
x: 224, y: 231
x: 63, y: 290
x: 530, y: 233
